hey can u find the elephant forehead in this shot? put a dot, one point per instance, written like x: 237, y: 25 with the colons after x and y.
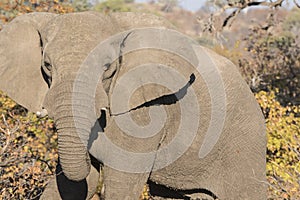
x: 75, y: 34
x: 86, y: 21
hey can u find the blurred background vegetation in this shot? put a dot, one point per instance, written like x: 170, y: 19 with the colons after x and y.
x: 262, y: 39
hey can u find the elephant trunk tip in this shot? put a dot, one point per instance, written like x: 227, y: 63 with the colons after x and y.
x: 76, y: 175
x: 76, y: 170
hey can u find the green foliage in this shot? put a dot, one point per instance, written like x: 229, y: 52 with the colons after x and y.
x: 292, y: 22
x: 233, y: 54
x: 274, y: 60
x: 81, y: 5
x: 283, y: 149
x: 205, y: 41
x: 113, y: 6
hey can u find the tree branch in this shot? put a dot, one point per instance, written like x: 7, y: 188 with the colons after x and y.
x: 269, y: 4
x: 231, y: 17
x: 297, y: 4
x: 6, y: 132
x: 246, y: 4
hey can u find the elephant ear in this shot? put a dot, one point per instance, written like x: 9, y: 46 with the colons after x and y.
x: 20, y: 60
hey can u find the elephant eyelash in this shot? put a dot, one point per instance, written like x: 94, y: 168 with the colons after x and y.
x: 48, y: 66
x: 46, y: 72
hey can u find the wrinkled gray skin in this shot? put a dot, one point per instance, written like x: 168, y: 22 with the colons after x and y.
x: 56, y: 45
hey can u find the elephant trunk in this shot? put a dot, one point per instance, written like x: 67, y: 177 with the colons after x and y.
x: 73, y: 128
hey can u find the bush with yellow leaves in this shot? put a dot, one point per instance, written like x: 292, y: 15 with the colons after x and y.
x: 283, y: 148
x: 10, y: 9
x: 28, y: 151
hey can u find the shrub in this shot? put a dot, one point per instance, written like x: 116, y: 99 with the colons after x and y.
x: 283, y: 148
x: 28, y: 151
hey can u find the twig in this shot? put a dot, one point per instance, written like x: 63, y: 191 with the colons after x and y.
x: 6, y: 132
x: 9, y: 163
x: 37, y: 195
x: 48, y: 165
x: 297, y: 4
x: 242, y: 5
x: 4, y: 120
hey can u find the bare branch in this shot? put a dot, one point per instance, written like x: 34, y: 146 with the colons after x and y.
x: 269, y: 4
x: 231, y: 17
x: 7, y: 133
x: 297, y: 4
x: 4, y: 120
x: 241, y: 6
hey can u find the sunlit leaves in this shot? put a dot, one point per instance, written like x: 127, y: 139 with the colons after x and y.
x: 113, y: 6
x: 10, y: 9
x: 283, y: 149
x: 28, y: 151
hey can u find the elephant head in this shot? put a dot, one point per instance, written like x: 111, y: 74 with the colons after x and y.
x: 40, y: 56
x: 30, y: 78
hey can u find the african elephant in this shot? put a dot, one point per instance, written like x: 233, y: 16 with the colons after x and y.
x: 210, y: 136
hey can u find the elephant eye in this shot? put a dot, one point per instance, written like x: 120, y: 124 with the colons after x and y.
x: 47, y: 66
x: 106, y: 66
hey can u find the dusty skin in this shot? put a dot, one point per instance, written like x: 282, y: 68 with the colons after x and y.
x: 209, y: 140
